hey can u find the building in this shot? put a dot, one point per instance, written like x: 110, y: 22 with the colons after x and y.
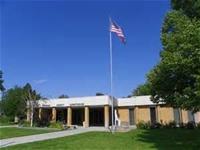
x: 96, y: 111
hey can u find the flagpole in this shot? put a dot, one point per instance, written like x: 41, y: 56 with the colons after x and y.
x: 111, y: 79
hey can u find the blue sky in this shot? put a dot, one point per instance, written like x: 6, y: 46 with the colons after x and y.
x: 63, y: 47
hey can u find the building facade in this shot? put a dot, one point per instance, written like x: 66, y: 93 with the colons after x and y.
x: 96, y: 111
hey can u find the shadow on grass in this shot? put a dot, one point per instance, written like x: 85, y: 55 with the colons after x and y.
x: 171, y: 138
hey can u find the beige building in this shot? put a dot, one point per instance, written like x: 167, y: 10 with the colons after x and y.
x: 96, y: 111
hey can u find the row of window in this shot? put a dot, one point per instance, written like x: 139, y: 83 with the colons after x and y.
x: 153, y: 115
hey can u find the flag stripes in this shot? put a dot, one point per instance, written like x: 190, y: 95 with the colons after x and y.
x: 118, y: 31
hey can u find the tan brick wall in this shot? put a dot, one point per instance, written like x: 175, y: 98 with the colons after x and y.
x: 123, y: 114
x: 165, y: 114
x: 197, y: 117
x: 143, y: 114
x: 184, y: 116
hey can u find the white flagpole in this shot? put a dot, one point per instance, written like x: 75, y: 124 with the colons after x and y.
x: 111, y: 77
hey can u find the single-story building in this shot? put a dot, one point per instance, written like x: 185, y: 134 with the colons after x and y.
x: 96, y: 111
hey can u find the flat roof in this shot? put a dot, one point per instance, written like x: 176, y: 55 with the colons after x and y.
x: 96, y: 101
x: 76, y: 101
x: 135, y: 101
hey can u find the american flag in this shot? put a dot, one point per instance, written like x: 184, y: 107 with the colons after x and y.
x: 118, y: 31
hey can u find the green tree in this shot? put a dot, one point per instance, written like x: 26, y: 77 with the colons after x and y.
x: 143, y: 89
x: 29, y: 93
x: 191, y: 8
x: 176, y: 79
x: 1, y: 81
x: 30, y: 97
x: 13, y: 103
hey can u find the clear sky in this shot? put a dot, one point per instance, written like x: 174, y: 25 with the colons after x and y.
x: 63, y: 47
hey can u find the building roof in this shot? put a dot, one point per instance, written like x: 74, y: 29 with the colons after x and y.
x: 76, y: 101
x: 96, y: 101
x: 135, y: 101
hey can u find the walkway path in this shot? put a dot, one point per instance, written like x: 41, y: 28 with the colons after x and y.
x: 9, y: 126
x: 46, y: 136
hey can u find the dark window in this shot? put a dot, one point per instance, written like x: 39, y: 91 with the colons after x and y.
x: 131, y: 116
x: 190, y: 116
x: 153, y: 114
x: 96, y: 116
x: 176, y: 115
x: 77, y: 116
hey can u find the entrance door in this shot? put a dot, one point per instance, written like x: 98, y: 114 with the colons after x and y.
x: 77, y: 116
x: 96, y: 117
x: 153, y: 114
x: 131, y: 116
x: 61, y: 115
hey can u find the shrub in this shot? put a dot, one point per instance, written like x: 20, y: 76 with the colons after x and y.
x: 198, y: 125
x: 143, y: 125
x: 4, y: 120
x: 182, y: 125
x: 190, y: 125
x: 156, y: 125
x: 25, y: 123
x: 171, y: 124
x: 41, y: 123
x: 58, y: 125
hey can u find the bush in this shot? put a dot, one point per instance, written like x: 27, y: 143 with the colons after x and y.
x: 156, y: 125
x: 182, y: 125
x: 4, y: 120
x: 143, y: 125
x: 41, y: 123
x: 190, y: 125
x: 58, y: 125
x: 171, y: 124
x: 25, y: 123
x: 198, y: 125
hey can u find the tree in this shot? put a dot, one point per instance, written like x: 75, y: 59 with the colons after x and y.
x: 30, y: 96
x: 143, y: 89
x: 176, y: 79
x: 63, y: 96
x: 191, y: 8
x: 99, y: 94
x: 15, y: 100
x: 1, y: 82
x: 13, y: 104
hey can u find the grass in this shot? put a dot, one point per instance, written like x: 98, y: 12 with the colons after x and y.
x: 15, y: 132
x: 5, y: 124
x: 136, y: 139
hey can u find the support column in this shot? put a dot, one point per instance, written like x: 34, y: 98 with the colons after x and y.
x: 136, y: 115
x: 69, y: 116
x: 158, y: 114
x: 106, y: 116
x: 53, y: 115
x: 40, y: 113
x: 86, y: 122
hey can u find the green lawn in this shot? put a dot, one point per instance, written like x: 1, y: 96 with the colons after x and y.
x: 6, y: 123
x: 15, y: 132
x: 133, y: 140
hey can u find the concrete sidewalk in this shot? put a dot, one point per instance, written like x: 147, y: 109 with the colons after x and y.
x: 9, y: 126
x: 47, y: 136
